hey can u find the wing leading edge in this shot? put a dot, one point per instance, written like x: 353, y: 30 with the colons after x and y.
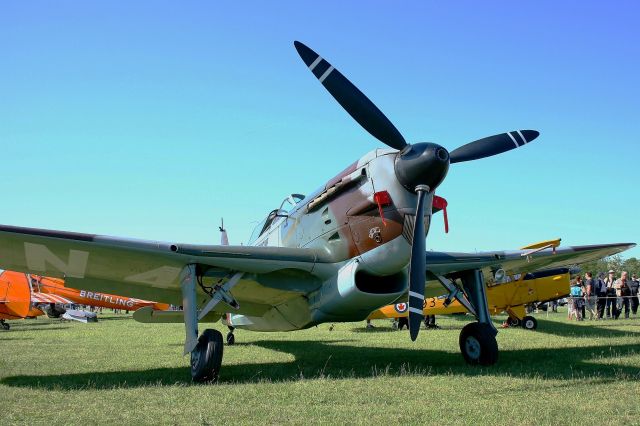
x: 150, y: 269
x: 516, y: 261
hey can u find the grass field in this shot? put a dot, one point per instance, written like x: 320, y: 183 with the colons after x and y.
x: 120, y: 371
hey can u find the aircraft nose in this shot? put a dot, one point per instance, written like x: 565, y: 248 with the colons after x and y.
x: 422, y: 164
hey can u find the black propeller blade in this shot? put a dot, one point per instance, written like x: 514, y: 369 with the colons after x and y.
x: 492, y: 145
x: 418, y: 266
x: 419, y: 167
x: 351, y: 98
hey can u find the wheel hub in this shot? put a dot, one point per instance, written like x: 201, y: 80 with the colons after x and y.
x: 472, y: 347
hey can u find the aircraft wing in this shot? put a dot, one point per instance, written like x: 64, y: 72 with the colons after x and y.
x: 516, y: 261
x: 150, y: 270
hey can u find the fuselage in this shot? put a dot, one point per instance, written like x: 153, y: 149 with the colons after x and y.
x: 362, y: 208
x: 363, y: 220
x: 91, y: 298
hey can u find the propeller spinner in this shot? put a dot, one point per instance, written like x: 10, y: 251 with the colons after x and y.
x: 419, y: 167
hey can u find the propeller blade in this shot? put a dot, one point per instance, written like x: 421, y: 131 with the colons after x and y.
x: 351, y: 98
x: 492, y: 145
x: 417, y: 267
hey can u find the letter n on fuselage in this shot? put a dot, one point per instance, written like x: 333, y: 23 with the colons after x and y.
x: 39, y: 255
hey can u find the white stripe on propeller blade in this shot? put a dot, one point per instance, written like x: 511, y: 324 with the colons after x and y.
x: 513, y: 139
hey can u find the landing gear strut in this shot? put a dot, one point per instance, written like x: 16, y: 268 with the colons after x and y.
x: 478, y: 340
x: 206, y: 350
x: 5, y: 325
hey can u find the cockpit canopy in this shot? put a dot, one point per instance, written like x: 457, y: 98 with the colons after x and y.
x: 287, y: 205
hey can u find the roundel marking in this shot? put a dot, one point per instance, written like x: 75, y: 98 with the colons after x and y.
x: 401, y: 307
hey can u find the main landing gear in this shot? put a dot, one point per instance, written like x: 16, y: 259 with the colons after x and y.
x: 477, y: 340
x: 206, y: 350
x: 528, y: 322
x: 5, y: 325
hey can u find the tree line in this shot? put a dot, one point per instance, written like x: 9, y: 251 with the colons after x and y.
x: 617, y: 263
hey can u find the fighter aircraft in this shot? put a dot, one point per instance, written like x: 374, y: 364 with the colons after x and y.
x: 355, y: 244
x: 508, y: 294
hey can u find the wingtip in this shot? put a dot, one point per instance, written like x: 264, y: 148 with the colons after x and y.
x: 530, y: 134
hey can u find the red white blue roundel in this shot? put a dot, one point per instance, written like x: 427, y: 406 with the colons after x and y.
x: 401, y: 308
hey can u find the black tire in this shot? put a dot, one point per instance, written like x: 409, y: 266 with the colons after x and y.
x: 231, y: 339
x: 478, y: 344
x: 529, y: 323
x: 206, y: 358
x: 513, y: 322
x: 6, y: 326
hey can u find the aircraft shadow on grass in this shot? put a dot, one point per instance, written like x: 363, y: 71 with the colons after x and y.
x: 341, y: 359
x: 585, y: 329
x: 50, y: 328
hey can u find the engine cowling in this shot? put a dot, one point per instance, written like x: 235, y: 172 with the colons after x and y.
x: 354, y: 293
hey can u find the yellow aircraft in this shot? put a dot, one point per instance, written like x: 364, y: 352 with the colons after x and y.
x: 505, y: 293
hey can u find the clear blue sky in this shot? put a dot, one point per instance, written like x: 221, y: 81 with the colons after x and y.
x: 154, y: 119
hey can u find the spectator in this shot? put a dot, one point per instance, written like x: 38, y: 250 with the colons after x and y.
x: 611, y: 294
x: 582, y: 303
x: 590, y: 295
x: 623, y: 294
x: 575, y: 296
x: 601, y: 293
x: 633, y: 286
x: 430, y: 321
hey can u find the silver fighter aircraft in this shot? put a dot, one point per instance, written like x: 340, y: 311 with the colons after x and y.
x: 352, y: 246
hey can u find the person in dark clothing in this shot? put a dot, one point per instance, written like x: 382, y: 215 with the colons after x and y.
x: 623, y: 293
x: 633, y: 287
x: 601, y: 293
x: 590, y: 297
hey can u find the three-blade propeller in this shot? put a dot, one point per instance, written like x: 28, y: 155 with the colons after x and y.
x: 419, y: 167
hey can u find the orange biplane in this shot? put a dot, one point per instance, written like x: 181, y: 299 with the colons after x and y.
x: 25, y: 296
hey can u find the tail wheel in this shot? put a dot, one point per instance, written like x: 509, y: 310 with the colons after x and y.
x: 529, y: 323
x: 206, y: 358
x: 231, y: 338
x: 478, y: 344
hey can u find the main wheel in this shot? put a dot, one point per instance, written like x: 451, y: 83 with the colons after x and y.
x: 513, y: 322
x: 206, y: 358
x: 529, y: 323
x: 5, y: 325
x: 478, y: 344
x: 231, y: 338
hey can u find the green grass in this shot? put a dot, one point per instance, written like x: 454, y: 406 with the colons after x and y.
x: 120, y: 371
